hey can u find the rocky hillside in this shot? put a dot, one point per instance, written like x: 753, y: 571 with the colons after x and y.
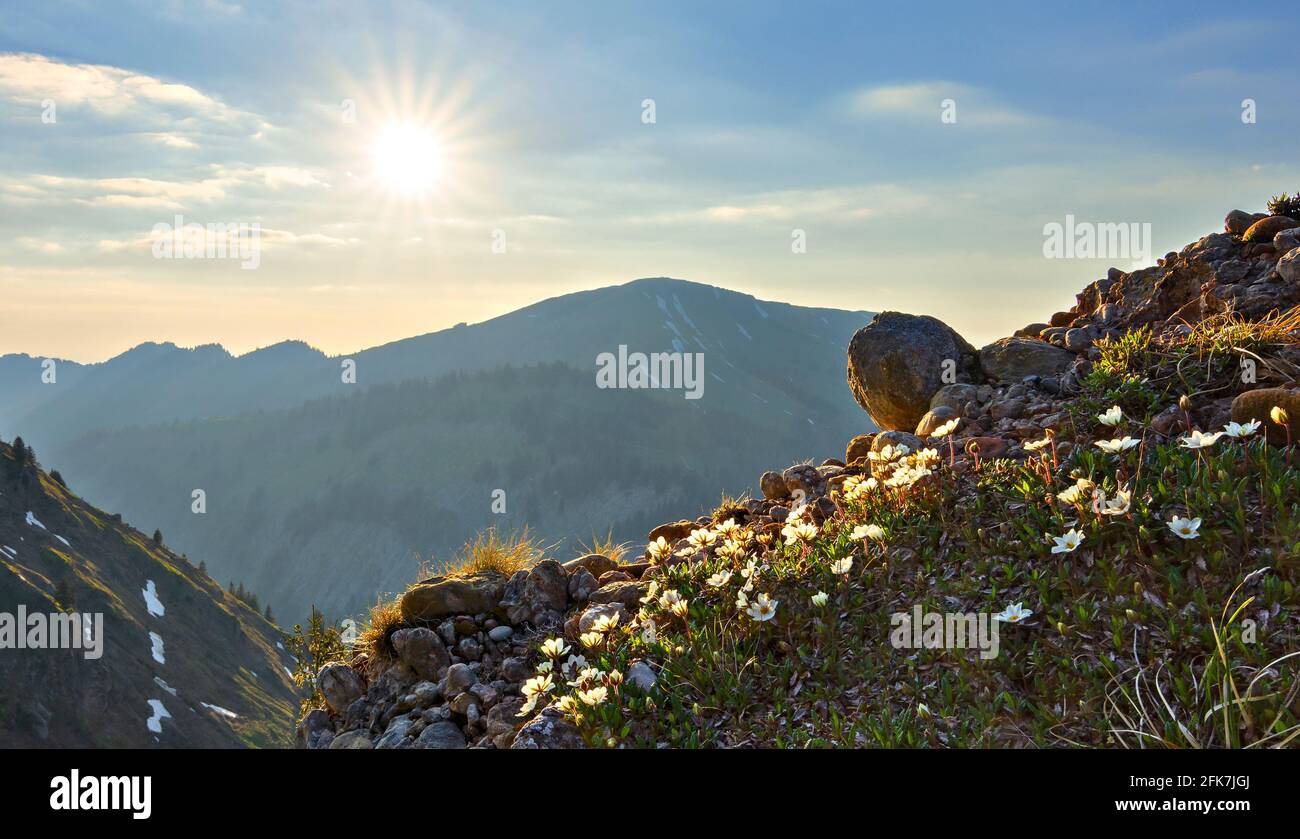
x: 1108, y: 495
x: 178, y: 662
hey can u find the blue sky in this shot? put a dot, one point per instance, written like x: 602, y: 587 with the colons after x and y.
x: 769, y: 118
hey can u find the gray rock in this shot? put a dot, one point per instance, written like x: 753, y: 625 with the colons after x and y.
x: 805, y: 478
x: 1079, y: 339
x: 545, y: 588
x: 396, y: 733
x: 1287, y: 240
x: 934, y: 418
x: 1288, y: 267
x: 596, y: 564
x: 601, y: 610
x: 340, y: 685
x: 352, y: 740
x: 422, y: 650
x: 1238, y: 222
x: 470, y: 649
x: 1012, y: 359
x: 548, y: 730
x: 629, y: 594
x: 641, y: 675
x: 312, y: 729
x: 443, y: 734
x: 954, y: 397
x: 773, y: 486
x: 439, y: 597
x: 897, y: 363
x: 516, y: 669
x: 501, y: 633
x: 459, y: 678
x: 896, y: 439
x: 581, y: 585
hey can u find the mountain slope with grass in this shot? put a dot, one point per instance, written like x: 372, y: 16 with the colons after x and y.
x: 179, y: 662
x: 1090, y: 538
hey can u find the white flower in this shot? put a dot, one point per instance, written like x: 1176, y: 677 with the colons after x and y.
x: 1014, y: 613
x: 1067, y: 543
x: 801, y: 532
x: 1116, y: 446
x: 659, y: 550
x: 669, y: 599
x: 947, y: 428
x: 594, y: 696
x: 1113, y: 417
x: 1185, y: 528
x: 719, y: 579
x: 591, y: 640
x: 819, y: 599
x: 535, y: 688
x: 762, y: 609
x: 728, y: 529
x: 1278, y: 415
x: 605, y: 623
x: 923, y: 711
x: 702, y: 538
x: 554, y: 648
x: 1074, y: 494
x: 575, y: 662
x: 1117, y: 506
x: 867, y: 531
x: 1198, y: 440
x: 1238, y: 430
x: 842, y: 566
x: 1036, y: 445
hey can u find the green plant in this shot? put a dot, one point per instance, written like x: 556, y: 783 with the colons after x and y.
x: 1285, y: 205
x: 313, y: 647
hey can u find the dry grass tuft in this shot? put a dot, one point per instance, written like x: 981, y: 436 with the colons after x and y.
x: 606, y: 547
x: 492, y: 551
x: 385, y: 619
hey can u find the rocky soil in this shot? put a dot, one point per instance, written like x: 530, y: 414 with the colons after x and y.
x: 457, y: 670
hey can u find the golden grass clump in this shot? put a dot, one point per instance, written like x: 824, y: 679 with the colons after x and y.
x: 492, y: 551
x: 606, y: 547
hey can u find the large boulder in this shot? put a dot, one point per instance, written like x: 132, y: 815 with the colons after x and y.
x: 1238, y: 222
x: 1258, y: 404
x: 538, y: 594
x: 340, y: 685
x: 438, y: 597
x: 1266, y: 228
x: 422, y: 650
x: 1012, y: 359
x: 898, y: 361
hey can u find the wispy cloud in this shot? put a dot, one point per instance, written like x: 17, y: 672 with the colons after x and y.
x: 925, y: 100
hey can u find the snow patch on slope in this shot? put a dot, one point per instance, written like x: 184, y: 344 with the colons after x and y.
x: 151, y: 601
x: 154, y: 723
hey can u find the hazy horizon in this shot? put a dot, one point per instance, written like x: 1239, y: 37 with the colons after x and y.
x: 485, y: 159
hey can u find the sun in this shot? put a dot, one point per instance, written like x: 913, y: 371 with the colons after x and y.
x: 406, y: 158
